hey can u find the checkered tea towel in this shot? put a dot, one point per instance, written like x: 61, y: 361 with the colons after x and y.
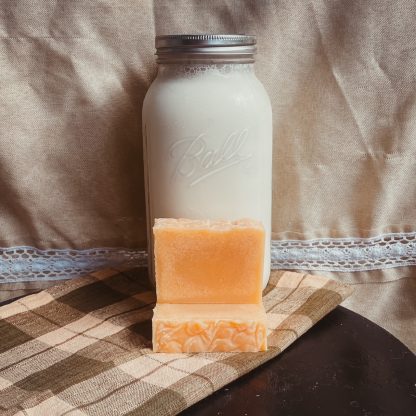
x: 84, y: 347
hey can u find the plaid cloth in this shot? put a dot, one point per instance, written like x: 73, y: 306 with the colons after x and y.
x: 84, y: 347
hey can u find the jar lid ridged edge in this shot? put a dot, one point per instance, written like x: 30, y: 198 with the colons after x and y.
x: 204, y: 40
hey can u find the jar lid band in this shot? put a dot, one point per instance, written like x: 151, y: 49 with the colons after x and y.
x: 208, y: 46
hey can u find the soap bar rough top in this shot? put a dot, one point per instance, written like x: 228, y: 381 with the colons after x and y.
x: 203, y: 261
x: 209, y: 328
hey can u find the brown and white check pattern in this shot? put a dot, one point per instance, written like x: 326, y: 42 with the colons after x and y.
x: 84, y: 347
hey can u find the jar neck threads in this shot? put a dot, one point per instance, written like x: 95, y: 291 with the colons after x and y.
x: 193, y: 69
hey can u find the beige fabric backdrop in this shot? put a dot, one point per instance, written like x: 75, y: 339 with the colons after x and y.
x: 341, y: 76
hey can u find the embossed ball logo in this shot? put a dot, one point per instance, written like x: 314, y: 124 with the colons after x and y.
x: 197, y: 160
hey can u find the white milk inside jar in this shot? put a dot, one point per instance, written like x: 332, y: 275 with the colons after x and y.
x: 207, y: 128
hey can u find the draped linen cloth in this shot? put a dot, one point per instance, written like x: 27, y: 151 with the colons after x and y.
x: 84, y: 347
x: 341, y: 76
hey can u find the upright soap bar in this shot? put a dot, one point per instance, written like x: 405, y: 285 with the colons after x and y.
x: 203, y: 261
x: 209, y: 328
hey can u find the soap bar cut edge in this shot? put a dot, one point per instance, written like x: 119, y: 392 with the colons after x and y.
x: 176, y: 248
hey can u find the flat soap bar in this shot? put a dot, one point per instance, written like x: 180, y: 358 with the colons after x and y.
x: 185, y: 328
x: 203, y: 261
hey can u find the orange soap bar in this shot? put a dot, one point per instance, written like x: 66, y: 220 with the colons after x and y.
x: 185, y: 328
x: 203, y: 261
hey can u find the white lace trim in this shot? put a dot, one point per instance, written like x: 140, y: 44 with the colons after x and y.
x: 346, y: 254
x: 23, y: 264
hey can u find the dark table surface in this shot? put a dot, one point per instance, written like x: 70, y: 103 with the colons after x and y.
x: 344, y: 365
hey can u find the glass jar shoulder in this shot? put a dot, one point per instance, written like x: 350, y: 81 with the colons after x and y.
x: 187, y: 86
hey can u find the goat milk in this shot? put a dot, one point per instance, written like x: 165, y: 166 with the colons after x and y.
x: 207, y: 128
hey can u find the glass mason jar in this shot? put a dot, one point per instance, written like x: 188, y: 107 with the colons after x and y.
x: 207, y: 129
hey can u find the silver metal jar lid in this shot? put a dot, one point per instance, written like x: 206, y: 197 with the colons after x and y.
x: 240, y: 47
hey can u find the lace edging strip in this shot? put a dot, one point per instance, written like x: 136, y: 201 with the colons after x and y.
x: 346, y: 254
x: 23, y: 263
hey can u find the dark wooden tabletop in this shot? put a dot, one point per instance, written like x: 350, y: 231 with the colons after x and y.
x: 344, y: 365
